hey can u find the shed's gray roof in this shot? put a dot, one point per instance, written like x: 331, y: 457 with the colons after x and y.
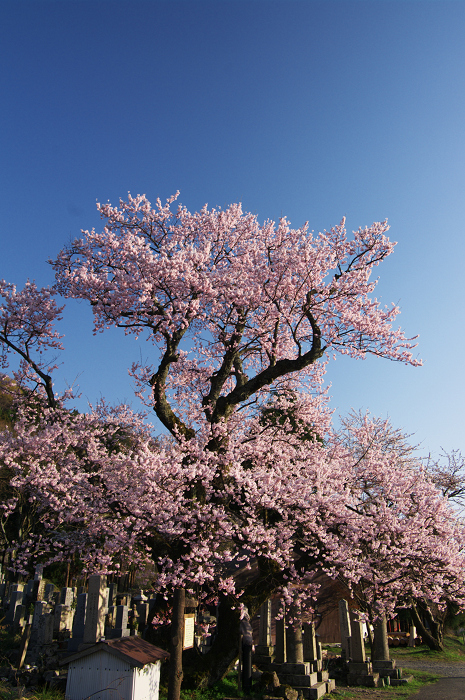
x: 134, y: 650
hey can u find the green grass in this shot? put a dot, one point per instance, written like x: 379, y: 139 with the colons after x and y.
x: 8, y: 693
x: 421, y: 678
x: 227, y: 688
x: 454, y: 652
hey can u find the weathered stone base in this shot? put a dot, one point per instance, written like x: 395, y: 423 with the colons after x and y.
x: 330, y: 685
x: 317, y: 691
x: 381, y: 665
x: 305, y: 678
x: 370, y: 680
x: 264, y: 657
x: 360, y: 667
x: 401, y: 681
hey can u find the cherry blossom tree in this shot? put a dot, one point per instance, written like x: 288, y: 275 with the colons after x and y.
x: 233, y: 307
x: 27, y: 329
x: 448, y: 473
x: 401, y: 544
x: 243, y: 317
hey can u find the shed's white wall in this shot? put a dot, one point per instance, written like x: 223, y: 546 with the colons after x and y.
x: 147, y: 682
x: 102, y: 676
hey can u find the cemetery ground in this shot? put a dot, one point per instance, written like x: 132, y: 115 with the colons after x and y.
x: 425, y: 665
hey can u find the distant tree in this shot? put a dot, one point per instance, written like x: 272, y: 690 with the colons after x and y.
x: 448, y: 473
x: 401, y: 544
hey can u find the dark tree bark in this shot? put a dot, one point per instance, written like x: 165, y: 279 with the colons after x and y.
x: 434, y: 637
x: 176, y: 645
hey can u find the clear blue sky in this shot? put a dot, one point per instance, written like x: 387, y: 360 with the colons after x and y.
x: 310, y: 109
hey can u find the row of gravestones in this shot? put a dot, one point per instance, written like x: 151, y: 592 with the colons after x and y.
x: 73, y: 616
x: 363, y: 671
x: 296, y: 658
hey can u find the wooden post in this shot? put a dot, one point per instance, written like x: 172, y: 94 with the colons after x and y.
x: 176, y: 644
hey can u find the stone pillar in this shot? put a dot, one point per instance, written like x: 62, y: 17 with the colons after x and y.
x: 264, y: 634
x: 310, y: 649
x: 112, y: 592
x: 357, y: 645
x: 121, y: 622
x: 380, y: 640
x: 280, y: 648
x: 294, y: 644
x: 45, y: 630
x: 142, y: 610
x: 95, y: 615
x: 37, y: 590
x: 19, y: 621
x: 40, y: 608
x: 49, y: 591
x: 62, y: 621
x: 382, y: 664
x: 17, y: 597
x: 66, y: 596
x: 79, y: 621
x: 264, y: 652
x: 344, y: 622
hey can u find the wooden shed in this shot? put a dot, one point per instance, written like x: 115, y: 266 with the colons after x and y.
x: 115, y: 669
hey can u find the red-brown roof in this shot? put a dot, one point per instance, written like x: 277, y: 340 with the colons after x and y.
x: 134, y: 650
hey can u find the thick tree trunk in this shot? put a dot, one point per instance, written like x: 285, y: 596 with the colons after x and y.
x: 204, y: 670
x: 434, y: 637
x: 258, y: 584
x: 176, y: 645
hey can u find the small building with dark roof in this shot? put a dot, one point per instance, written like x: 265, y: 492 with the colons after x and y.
x: 115, y: 669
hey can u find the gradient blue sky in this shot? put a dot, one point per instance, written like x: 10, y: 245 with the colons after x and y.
x: 310, y: 109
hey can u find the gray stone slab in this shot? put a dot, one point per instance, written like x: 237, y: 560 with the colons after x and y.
x: 96, y: 608
x: 357, y: 645
x: 264, y: 632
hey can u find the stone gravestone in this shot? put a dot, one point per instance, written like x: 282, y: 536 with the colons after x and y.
x: 264, y: 653
x: 17, y: 597
x: 380, y: 641
x: 142, y: 616
x: 67, y: 596
x: 45, y: 630
x: 19, y: 621
x: 49, y: 591
x: 294, y: 643
x: 94, y: 628
x: 344, y: 622
x: 40, y: 608
x: 382, y: 664
x: 357, y: 642
x: 79, y: 620
x: 63, y: 621
x: 121, y: 622
x: 37, y: 590
x: 110, y: 620
x: 112, y: 593
x: 360, y: 670
x: 311, y: 652
x: 280, y: 647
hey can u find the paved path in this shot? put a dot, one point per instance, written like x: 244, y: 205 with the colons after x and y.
x: 451, y: 687
x: 450, y: 670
